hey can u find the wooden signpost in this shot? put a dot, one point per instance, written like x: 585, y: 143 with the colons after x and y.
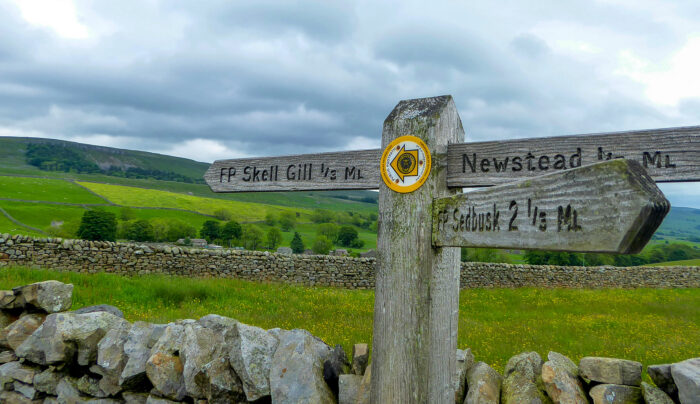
x: 613, y: 206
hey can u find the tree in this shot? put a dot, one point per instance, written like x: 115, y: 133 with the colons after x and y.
x: 178, y: 229
x: 139, y: 230
x: 321, y: 216
x: 223, y: 214
x: 346, y: 235
x: 274, y: 238
x: 270, y: 219
x: 231, y: 231
x: 287, y: 220
x: 98, y: 225
x: 251, y: 237
x: 297, y: 244
x: 322, y: 245
x: 329, y: 230
x: 211, y: 230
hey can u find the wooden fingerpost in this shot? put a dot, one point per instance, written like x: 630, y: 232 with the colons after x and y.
x: 417, y: 286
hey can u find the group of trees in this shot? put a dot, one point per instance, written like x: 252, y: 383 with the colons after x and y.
x: 655, y: 254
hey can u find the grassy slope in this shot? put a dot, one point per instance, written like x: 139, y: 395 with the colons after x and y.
x: 650, y: 326
x: 39, y: 189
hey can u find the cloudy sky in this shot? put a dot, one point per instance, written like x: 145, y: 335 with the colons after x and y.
x: 225, y: 79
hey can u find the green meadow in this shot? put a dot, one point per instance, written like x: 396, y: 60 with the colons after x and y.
x: 647, y: 325
x: 42, y: 189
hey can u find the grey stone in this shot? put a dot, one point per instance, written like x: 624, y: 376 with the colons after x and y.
x: 611, y: 370
x: 661, y: 375
x: 250, y: 356
x: 111, y: 358
x: 6, y: 319
x: 158, y: 400
x: 47, y: 381
x: 64, y: 336
x: 7, y: 356
x: 90, y: 386
x: 199, y: 347
x: 50, y: 296
x: 12, y: 397
x: 484, y: 385
x: 137, y: 348
x: 616, y: 394
x: 522, y: 382
x: 21, y: 329
x: 224, y: 384
x: 335, y: 363
x: 348, y: 387
x: 284, y: 250
x: 464, y: 361
x: 26, y: 390
x: 67, y: 391
x: 134, y: 398
x: 100, y: 307
x: 360, y: 358
x: 561, y: 382
x: 9, y: 301
x: 686, y: 374
x: 296, y: 375
x: 15, y: 371
x: 165, y: 367
x: 654, y: 395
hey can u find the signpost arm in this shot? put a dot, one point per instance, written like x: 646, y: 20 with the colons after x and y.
x: 417, y: 285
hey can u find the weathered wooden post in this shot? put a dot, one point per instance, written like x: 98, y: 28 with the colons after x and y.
x: 417, y: 286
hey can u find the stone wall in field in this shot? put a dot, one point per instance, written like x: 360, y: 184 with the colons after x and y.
x: 321, y: 270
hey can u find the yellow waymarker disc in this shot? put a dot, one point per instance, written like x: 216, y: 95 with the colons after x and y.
x: 405, y: 164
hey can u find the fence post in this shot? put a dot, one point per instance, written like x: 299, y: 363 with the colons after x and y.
x: 417, y: 286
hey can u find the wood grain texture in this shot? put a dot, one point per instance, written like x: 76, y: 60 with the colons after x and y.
x: 416, y: 293
x: 322, y: 171
x: 611, y: 206
x: 669, y: 155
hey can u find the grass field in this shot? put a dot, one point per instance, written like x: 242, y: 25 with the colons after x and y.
x: 648, y: 325
x: 7, y: 226
x: 41, y: 189
x: 694, y: 262
x: 130, y: 196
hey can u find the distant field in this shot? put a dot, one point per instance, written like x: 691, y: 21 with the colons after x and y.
x: 40, y: 189
x: 690, y: 263
x: 7, y: 226
x: 648, y: 325
x: 130, y: 196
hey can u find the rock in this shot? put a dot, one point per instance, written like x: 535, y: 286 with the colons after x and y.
x: 137, y: 348
x: 521, y: 380
x: 47, y: 381
x: 296, y: 375
x: 611, y: 370
x: 686, y: 374
x: 335, y: 364
x: 250, y: 356
x: 360, y: 357
x: 21, y: 329
x: 12, y: 397
x: 559, y: 376
x: 68, y: 392
x: 363, y: 392
x: 165, y: 367
x: 100, y: 307
x: 615, y: 394
x: 484, y: 385
x: 90, y: 386
x: 64, y: 336
x: 464, y: 361
x: 6, y: 319
x: 9, y: 301
x: 50, y: 296
x: 7, y: 356
x: 654, y: 395
x: 158, y: 400
x: 199, y: 347
x: 134, y: 398
x: 348, y: 387
x: 27, y: 390
x: 15, y: 371
x: 224, y: 384
x: 661, y: 375
x: 111, y: 359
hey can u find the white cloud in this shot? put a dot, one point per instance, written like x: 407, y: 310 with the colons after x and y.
x: 59, y: 15
x: 204, y: 150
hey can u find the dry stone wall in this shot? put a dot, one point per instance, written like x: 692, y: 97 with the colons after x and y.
x: 313, y: 270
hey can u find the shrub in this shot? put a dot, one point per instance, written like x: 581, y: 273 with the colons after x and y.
x: 328, y: 230
x: 211, y: 230
x: 274, y: 238
x: 322, y: 245
x: 251, y: 236
x: 287, y: 221
x: 270, y: 219
x: 98, y: 225
x: 139, y: 230
x: 346, y: 235
x: 231, y: 231
x: 321, y: 216
x: 297, y: 244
